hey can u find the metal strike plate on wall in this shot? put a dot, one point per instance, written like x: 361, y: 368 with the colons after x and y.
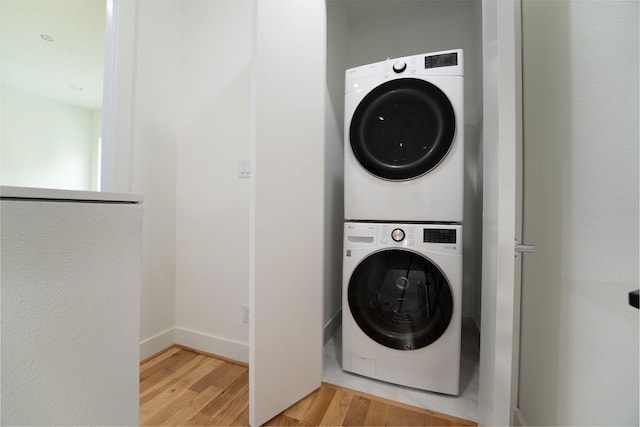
x: 522, y: 248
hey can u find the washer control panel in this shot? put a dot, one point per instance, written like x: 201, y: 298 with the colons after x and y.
x: 397, y: 235
x: 435, y: 237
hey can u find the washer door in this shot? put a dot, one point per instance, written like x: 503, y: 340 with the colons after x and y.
x: 402, y: 129
x: 400, y: 299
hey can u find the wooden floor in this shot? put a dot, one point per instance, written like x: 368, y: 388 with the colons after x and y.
x: 181, y: 387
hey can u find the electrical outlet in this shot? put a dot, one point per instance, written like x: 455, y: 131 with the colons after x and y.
x: 245, y: 313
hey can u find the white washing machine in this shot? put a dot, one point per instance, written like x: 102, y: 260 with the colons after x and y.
x: 404, y: 139
x: 401, y: 310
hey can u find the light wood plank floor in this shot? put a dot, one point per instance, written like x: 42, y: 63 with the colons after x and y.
x: 182, y: 387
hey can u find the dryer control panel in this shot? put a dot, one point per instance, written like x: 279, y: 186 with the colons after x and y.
x: 444, y: 63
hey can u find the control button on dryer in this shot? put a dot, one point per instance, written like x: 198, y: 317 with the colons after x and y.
x: 399, y: 66
x: 397, y: 235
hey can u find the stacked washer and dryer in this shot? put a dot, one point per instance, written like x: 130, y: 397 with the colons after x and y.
x: 402, y: 266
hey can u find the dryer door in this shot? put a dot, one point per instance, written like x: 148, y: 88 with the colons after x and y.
x: 402, y: 129
x: 400, y: 299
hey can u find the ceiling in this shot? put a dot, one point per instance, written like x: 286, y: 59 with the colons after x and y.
x: 69, y: 68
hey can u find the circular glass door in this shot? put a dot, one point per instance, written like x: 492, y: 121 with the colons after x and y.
x: 400, y: 299
x: 402, y: 129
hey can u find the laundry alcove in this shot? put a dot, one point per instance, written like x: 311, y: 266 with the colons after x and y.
x: 241, y: 82
x: 360, y: 33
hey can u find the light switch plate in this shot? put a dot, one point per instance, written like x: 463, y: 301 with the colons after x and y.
x: 244, y: 168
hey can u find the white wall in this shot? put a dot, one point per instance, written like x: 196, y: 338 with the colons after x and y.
x: 579, y: 354
x: 500, y: 139
x: 337, y: 33
x: 382, y: 29
x: 153, y: 164
x: 211, y: 59
x: 45, y: 143
x: 190, y: 128
x: 96, y: 155
x: 212, y: 203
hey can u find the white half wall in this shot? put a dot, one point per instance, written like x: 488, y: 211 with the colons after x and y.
x: 70, y: 288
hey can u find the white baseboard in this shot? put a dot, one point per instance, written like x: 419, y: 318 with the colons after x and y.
x: 157, y: 343
x: 234, y: 350
x: 224, y: 347
x: 332, y: 325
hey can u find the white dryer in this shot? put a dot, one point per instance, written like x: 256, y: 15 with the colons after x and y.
x: 401, y: 311
x: 404, y: 139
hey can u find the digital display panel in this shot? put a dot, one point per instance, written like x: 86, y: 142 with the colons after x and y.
x: 444, y: 60
x: 431, y: 235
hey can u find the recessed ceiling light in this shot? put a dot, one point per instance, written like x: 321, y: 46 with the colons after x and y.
x: 75, y: 87
x: 46, y: 37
